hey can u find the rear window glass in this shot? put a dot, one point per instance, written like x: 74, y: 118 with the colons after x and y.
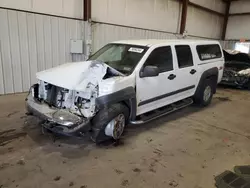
x: 211, y: 51
x: 184, y: 56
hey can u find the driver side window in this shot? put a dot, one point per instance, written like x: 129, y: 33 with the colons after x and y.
x: 162, y: 58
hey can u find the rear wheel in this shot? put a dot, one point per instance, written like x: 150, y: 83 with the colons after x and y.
x: 109, y: 123
x: 205, y: 94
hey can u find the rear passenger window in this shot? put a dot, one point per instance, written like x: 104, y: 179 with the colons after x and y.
x: 184, y: 56
x: 211, y: 51
x: 162, y: 58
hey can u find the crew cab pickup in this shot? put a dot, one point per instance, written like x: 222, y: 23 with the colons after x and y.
x: 126, y: 82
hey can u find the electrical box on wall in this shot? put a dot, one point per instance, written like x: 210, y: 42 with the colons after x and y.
x: 76, y: 46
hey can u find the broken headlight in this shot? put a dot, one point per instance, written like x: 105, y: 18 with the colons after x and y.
x: 65, y: 118
x: 85, y: 100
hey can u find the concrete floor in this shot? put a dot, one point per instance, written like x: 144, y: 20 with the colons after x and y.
x: 184, y: 149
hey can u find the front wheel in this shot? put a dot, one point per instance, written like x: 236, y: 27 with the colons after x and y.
x: 205, y: 95
x: 109, y: 123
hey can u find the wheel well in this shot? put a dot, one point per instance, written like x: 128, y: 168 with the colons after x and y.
x: 214, y: 79
x: 131, y: 104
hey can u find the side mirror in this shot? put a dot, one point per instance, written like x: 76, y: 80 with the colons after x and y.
x: 149, y: 71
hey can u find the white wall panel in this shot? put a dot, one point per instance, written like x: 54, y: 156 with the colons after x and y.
x: 161, y: 15
x: 61, y: 35
x: 47, y: 42
x: 15, y: 51
x: 217, y: 5
x: 228, y: 44
x: 240, y: 6
x: 67, y: 8
x: 30, y: 43
x: 55, y: 41
x: 103, y: 34
x: 1, y: 72
x: 6, y: 53
x: 204, y: 24
x: 238, y: 27
x: 24, y: 50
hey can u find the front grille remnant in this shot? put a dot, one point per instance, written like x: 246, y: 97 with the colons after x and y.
x: 55, y: 96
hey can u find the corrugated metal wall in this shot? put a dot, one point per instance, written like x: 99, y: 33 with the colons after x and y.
x: 30, y: 43
x: 105, y: 33
x: 238, y: 26
x: 67, y: 8
x: 161, y: 15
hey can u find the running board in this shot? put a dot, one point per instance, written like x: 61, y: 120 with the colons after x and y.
x: 149, y: 116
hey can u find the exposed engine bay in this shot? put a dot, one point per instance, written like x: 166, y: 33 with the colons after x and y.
x: 70, y: 106
x: 237, y: 69
x: 80, y: 101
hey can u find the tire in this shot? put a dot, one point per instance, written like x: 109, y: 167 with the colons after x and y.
x: 205, y: 94
x: 104, y: 118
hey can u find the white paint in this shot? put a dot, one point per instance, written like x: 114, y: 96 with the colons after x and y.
x: 57, y: 75
x: 86, y: 77
x: 148, y: 88
x: 30, y: 43
x: 151, y: 14
x: 67, y: 8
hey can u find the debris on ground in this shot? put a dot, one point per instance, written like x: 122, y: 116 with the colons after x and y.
x: 180, y: 175
x: 137, y: 170
x: 12, y: 113
x: 21, y: 162
x: 149, y: 140
x: 84, y: 186
x: 118, y: 171
x: 71, y: 183
x: 4, y: 165
x: 223, y: 99
x: 173, y: 183
x: 57, y: 178
x: 125, y: 183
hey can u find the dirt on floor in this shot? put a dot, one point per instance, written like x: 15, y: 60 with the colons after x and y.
x: 186, y: 149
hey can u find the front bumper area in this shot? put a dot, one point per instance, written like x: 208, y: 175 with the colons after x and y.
x: 65, y: 123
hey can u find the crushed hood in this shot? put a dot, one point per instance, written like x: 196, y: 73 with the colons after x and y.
x: 76, y: 76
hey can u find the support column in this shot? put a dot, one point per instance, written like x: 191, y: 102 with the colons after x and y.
x: 224, y: 29
x: 86, y: 10
x: 184, y: 16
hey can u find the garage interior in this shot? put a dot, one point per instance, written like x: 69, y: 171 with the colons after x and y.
x: 187, y: 148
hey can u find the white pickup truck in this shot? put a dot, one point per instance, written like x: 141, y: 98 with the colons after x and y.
x: 126, y: 82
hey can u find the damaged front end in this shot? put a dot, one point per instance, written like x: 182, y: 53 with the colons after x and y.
x: 236, y: 78
x: 65, y: 97
x: 237, y: 70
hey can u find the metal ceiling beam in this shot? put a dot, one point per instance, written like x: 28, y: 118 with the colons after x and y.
x: 184, y: 16
x: 206, y: 9
x: 203, y: 8
x: 224, y: 29
x: 240, y: 14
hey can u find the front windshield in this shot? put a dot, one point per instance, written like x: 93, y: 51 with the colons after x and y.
x: 122, y: 57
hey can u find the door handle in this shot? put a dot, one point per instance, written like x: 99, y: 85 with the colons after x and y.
x: 171, y: 76
x: 193, y: 71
